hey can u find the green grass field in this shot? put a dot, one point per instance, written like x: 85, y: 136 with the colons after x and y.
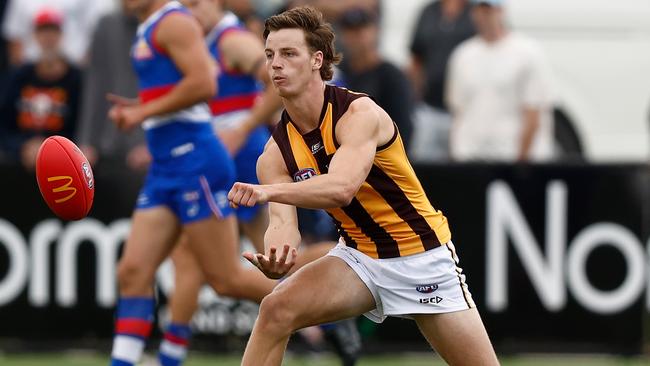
x: 405, y: 360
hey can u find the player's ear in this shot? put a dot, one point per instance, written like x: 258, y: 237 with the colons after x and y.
x: 317, y: 60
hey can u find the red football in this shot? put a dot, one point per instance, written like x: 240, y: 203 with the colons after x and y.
x: 65, y: 178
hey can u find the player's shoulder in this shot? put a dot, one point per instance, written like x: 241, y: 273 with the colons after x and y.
x: 178, y: 19
x: 343, y: 98
x: 361, y: 105
x: 271, y: 158
x: 271, y: 151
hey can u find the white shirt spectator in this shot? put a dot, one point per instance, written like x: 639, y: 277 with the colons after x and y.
x: 489, y: 86
x: 80, y: 17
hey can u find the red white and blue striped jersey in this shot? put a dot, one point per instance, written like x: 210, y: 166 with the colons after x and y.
x: 236, y: 91
x: 157, y: 73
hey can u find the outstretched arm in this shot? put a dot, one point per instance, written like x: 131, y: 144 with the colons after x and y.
x: 282, y: 237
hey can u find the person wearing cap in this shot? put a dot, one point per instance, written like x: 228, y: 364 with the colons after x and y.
x: 500, y: 94
x: 364, y: 69
x: 79, y: 23
x: 41, y: 98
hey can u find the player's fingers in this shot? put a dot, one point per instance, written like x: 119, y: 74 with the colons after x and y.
x: 238, y: 196
x: 119, y: 100
x: 233, y: 191
x: 251, y: 258
x: 272, y: 255
x: 283, y: 256
x: 246, y: 198
x: 263, y: 260
x: 292, y: 259
x: 116, y: 99
x: 254, y: 199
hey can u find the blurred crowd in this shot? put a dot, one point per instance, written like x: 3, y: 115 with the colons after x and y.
x: 474, y: 90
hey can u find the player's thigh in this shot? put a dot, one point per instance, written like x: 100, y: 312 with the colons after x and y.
x: 459, y: 337
x: 153, y: 234
x: 215, y: 243
x: 323, y: 291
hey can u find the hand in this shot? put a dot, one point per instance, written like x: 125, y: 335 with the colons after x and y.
x: 233, y: 139
x: 126, y: 113
x: 127, y: 117
x: 138, y: 158
x: 244, y: 194
x: 271, y: 267
x: 121, y: 101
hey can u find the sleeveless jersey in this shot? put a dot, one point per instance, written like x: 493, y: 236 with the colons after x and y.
x: 157, y: 73
x: 236, y: 91
x: 390, y: 216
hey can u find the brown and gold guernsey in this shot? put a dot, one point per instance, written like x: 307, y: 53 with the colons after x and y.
x: 390, y: 216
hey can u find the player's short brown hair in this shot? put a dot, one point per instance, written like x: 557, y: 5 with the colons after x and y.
x: 318, y: 34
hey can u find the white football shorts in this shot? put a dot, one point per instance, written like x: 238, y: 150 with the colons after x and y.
x: 424, y: 283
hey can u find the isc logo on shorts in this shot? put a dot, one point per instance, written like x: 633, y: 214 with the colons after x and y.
x: 304, y: 174
x: 431, y: 300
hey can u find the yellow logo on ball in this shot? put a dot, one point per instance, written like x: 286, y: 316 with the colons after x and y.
x: 64, y: 188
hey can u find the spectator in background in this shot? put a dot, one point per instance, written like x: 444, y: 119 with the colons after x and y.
x: 364, y: 69
x: 109, y: 70
x: 80, y: 18
x: 333, y: 10
x: 41, y: 98
x: 499, y: 93
x: 248, y: 12
x: 441, y: 27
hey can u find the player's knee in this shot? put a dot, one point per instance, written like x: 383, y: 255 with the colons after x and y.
x: 130, y: 274
x: 277, y: 315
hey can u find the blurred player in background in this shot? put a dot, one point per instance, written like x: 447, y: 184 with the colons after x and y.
x: 337, y: 150
x: 241, y: 110
x: 240, y: 114
x: 185, y: 189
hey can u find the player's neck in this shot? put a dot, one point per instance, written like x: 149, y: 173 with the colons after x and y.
x: 306, y: 107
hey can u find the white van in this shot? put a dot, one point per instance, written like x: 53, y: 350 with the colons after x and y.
x: 600, y: 54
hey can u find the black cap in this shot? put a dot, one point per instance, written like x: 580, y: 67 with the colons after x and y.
x: 357, y: 17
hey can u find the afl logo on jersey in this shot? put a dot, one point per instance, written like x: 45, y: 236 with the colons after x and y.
x: 303, y: 174
x: 141, y: 50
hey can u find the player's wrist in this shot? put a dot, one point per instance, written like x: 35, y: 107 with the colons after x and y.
x: 147, y: 110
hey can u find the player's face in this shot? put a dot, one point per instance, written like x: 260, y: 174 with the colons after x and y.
x: 205, y: 11
x: 291, y: 64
